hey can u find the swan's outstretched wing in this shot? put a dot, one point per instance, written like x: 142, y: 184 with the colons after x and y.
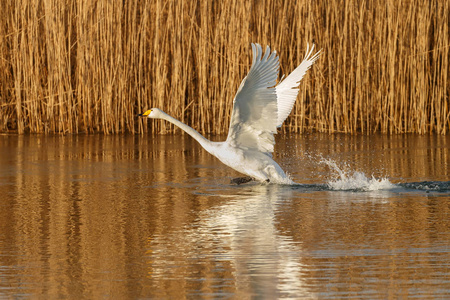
x: 287, y: 90
x: 254, y: 116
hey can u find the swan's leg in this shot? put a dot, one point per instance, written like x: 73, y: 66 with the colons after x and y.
x: 241, y: 180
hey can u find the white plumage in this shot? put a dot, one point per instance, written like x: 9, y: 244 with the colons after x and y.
x: 259, y: 107
x: 287, y: 89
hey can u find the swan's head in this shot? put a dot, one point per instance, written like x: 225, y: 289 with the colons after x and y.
x: 154, y: 113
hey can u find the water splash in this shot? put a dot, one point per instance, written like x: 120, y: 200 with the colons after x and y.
x: 347, y: 179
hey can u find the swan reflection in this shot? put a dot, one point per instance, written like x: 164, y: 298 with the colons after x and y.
x: 231, y: 249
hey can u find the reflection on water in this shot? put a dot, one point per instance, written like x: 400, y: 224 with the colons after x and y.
x: 232, y: 249
x: 155, y: 217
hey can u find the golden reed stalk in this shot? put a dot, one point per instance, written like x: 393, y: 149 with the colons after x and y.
x: 91, y: 66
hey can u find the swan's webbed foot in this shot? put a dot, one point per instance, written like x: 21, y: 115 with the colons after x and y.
x: 241, y: 180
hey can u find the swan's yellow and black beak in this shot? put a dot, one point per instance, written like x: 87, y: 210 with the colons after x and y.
x: 144, y: 115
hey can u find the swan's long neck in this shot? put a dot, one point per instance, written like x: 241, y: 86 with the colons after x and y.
x: 204, y: 142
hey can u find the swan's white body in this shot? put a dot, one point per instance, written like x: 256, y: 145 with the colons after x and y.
x: 259, y: 107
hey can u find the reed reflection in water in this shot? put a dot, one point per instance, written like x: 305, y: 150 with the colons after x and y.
x: 155, y: 217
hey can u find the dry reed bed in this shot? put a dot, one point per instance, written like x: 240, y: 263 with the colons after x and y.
x: 86, y: 66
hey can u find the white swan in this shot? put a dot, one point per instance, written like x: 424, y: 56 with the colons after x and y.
x: 259, y: 107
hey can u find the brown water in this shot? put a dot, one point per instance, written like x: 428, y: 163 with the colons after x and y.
x: 126, y: 217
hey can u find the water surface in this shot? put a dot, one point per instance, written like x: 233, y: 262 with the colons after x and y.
x: 126, y: 217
